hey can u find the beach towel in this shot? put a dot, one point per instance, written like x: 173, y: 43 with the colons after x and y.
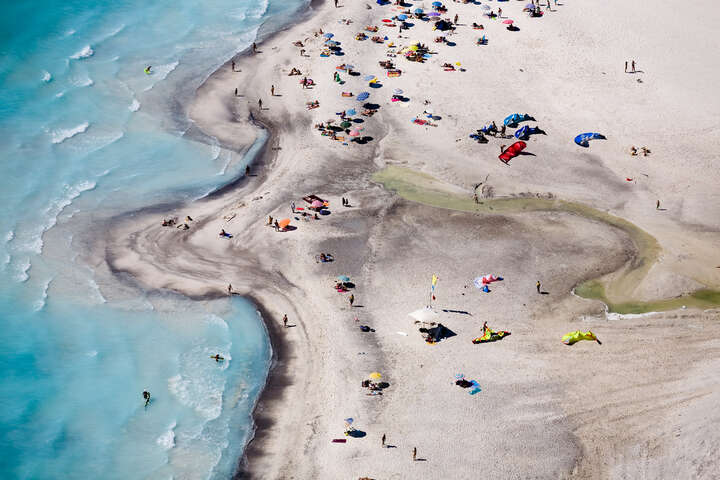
x: 339, y: 440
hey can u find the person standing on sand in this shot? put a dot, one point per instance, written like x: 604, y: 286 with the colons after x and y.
x: 625, y: 66
x: 247, y: 170
x: 254, y: 47
x: 537, y: 286
x: 336, y: 3
x: 285, y: 320
x: 414, y: 453
x: 632, y: 66
x: 456, y: 19
x: 351, y: 300
x: 229, y: 288
x: 499, y: 12
x: 236, y: 91
x: 233, y: 65
x: 657, y: 205
x: 292, y: 206
x: 272, y: 90
x: 502, y: 148
x: 383, y: 440
x: 260, y: 103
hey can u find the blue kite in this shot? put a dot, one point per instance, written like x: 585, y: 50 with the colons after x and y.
x: 525, y: 132
x: 515, y: 118
x: 584, y: 138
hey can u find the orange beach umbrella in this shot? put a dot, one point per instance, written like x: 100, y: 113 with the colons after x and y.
x: 284, y: 223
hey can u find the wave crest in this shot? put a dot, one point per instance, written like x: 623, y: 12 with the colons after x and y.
x: 85, y: 52
x: 61, y: 134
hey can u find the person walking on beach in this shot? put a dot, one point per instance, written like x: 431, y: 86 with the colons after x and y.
x: 146, y: 396
x: 247, y: 170
x: 236, y: 91
x: 229, y: 288
x: 233, y: 65
x: 625, y: 66
x: 414, y: 453
x: 260, y: 103
x: 456, y: 19
x: 632, y: 66
x: 285, y: 320
x: 537, y: 286
x: 657, y: 205
x: 254, y: 47
x: 336, y: 3
x: 502, y: 148
x: 351, y: 300
x: 499, y: 12
x: 272, y: 90
x: 292, y: 206
x: 383, y: 440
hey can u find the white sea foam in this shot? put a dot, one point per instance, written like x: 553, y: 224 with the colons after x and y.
x: 96, y: 289
x: 160, y: 73
x: 215, y: 151
x: 9, y: 236
x: 22, y: 271
x: 134, y: 106
x: 70, y: 32
x: 47, y: 77
x: 92, y: 353
x: 167, y: 439
x: 61, y: 134
x: 39, y: 304
x: 82, y: 81
x: 60, y: 94
x: 86, y: 52
x: 112, y: 33
x: 261, y: 9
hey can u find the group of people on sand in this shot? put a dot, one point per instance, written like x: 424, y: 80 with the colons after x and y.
x: 644, y: 151
x: 173, y: 222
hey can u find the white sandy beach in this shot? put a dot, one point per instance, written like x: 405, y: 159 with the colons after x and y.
x: 641, y: 405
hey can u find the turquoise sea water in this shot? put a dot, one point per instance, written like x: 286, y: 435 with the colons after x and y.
x: 86, y: 135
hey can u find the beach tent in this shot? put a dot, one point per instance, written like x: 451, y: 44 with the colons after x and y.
x: 515, y: 118
x: 584, y: 138
x: 512, y: 151
x: 424, y: 315
x: 525, y: 132
x: 576, y: 336
x: 443, y: 25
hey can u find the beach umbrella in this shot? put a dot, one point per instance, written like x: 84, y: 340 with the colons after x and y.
x: 426, y: 314
x: 418, y: 11
x: 343, y: 278
x: 530, y: 6
x: 402, y: 17
x: 363, y: 96
x: 284, y: 222
x: 349, y: 421
x: 375, y: 376
x: 437, y: 4
x: 354, y: 133
x: 346, y: 124
x: 351, y: 112
x: 434, y: 14
x: 316, y: 204
x: 386, y: 20
x: 328, y: 35
x: 508, y: 22
x: 397, y: 91
x: 368, y: 78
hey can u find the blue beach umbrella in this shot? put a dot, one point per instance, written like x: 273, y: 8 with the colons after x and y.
x: 418, y: 10
x: 402, y: 17
x: 363, y: 96
x: 367, y: 78
x: 351, y: 112
x: 437, y: 4
x: 328, y: 35
x: 343, y: 278
x: 397, y: 91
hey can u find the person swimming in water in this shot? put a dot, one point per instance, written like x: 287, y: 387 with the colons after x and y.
x: 147, y: 69
x: 217, y: 357
x: 146, y: 396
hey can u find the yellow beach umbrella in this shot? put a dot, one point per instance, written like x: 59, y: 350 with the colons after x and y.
x: 375, y: 376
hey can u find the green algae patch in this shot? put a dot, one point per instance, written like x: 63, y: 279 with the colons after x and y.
x: 613, y: 290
